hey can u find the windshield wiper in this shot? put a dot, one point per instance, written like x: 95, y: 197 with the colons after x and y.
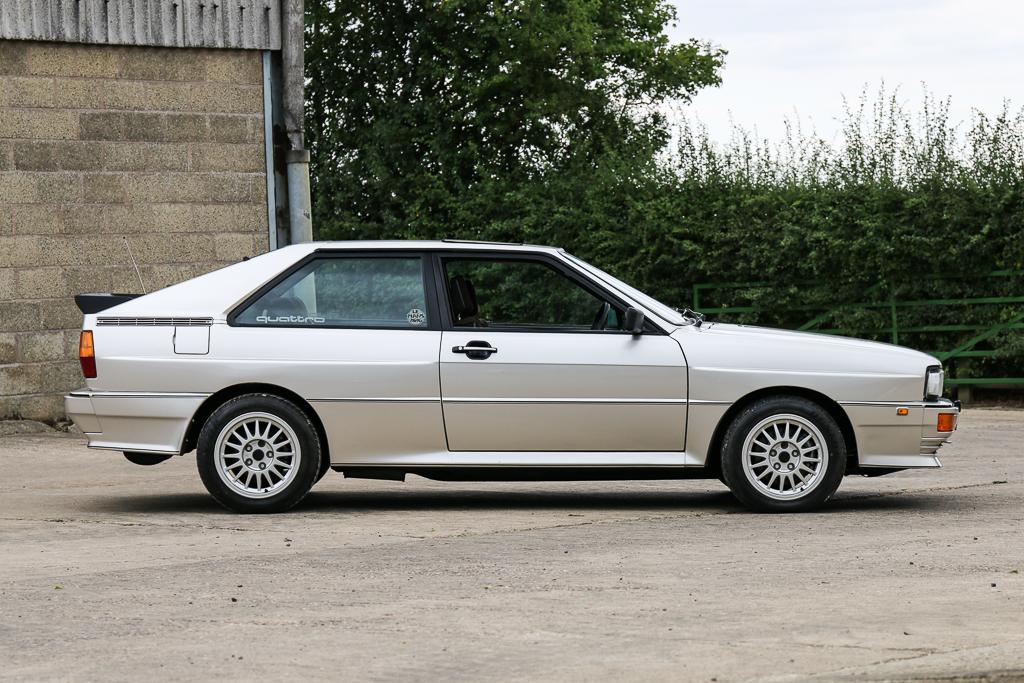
x: 697, y: 318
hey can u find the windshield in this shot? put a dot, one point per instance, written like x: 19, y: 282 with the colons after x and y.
x: 666, y: 313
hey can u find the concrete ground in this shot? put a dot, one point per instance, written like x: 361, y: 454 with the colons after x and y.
x: 113, y: 571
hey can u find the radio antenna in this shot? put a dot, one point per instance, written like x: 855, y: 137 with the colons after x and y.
x: 136, y: 265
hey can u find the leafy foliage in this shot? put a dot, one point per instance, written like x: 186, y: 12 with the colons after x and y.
x: 467, y: 118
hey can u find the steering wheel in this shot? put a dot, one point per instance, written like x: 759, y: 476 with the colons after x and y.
x: 601, y: 319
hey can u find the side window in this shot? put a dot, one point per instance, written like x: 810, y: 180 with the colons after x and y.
x: 345, y: 291
x: 499, y: 293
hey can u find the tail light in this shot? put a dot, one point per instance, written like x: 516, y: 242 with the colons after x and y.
x: 87, y: 354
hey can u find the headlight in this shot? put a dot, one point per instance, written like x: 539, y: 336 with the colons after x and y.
x: 933, y: 384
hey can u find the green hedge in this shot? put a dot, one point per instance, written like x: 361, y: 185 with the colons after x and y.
x: 912, y: 208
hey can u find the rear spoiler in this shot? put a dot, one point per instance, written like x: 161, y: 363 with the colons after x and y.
x: 95, y: 303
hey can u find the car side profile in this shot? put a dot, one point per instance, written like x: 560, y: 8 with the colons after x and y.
x: 464, y: 361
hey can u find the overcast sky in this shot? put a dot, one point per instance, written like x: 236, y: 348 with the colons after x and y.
x: 788, y: 56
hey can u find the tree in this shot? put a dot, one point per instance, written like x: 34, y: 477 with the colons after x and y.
x: 510, y: 120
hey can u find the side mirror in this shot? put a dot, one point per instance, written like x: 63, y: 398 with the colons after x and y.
x: 633, y: 321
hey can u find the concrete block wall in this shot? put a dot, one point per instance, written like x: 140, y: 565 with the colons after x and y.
x: 162, y: 145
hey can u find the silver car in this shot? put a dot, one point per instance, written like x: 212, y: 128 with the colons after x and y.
x: 477, y: 361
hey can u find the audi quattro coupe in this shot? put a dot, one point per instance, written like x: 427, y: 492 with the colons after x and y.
x: 466, y: 361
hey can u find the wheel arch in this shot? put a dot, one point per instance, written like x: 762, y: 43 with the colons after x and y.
x: 714, y: 456
x: 221, y: 397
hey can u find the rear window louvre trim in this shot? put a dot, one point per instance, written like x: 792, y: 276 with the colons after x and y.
x: 153, y: 321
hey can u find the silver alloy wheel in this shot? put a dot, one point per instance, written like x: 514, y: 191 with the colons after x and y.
x: 785, y: 456
x: 257, y: 454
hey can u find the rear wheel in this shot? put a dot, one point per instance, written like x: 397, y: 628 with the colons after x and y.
x: 258, y: 453
x: 783, y: 454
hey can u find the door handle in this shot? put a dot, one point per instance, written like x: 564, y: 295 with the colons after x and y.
x: 477, y: 350
x: 474, y: 349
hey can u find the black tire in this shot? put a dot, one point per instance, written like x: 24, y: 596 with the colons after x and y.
x: 760, y: 415
x: 325, y: 467
x: 293, y: 487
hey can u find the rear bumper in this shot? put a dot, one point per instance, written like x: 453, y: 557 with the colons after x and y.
x: 144, y: 422
x: 887, y: 439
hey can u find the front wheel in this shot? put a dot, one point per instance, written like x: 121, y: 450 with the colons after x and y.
x: 783, y: 454
x: 258, y: 453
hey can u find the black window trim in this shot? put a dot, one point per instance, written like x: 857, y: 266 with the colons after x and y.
x: 594, y: 288
x: 429, y: 290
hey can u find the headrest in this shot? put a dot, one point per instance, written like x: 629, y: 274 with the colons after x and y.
x: 463, y: 298
x: 288, y: 305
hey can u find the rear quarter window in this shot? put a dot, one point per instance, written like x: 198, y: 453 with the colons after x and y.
x: 345, y: 291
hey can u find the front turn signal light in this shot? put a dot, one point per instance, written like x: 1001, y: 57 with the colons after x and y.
x: 87, y: 354
x: 946, y: 422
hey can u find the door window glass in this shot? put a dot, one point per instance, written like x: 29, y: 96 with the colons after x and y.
x: 345, y: 292
x: 523, y: 294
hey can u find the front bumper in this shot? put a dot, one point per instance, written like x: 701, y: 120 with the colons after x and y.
x: 143, y: 422
x: 887, y: 439
x: 931, y: 438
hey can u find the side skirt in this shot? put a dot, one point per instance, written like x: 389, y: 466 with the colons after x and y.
x: 398, y: 473
x: 410, y: 460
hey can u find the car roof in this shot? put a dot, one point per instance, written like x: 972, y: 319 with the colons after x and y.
x: 215, y: 292
x: 445, y: 244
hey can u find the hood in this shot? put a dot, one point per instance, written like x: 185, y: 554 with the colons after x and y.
x: 772, y: 349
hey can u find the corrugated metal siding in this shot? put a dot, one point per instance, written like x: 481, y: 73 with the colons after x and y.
x: 251, y: 24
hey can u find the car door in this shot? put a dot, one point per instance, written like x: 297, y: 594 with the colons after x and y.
x: 534, y: 358
x: 356, y: 334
